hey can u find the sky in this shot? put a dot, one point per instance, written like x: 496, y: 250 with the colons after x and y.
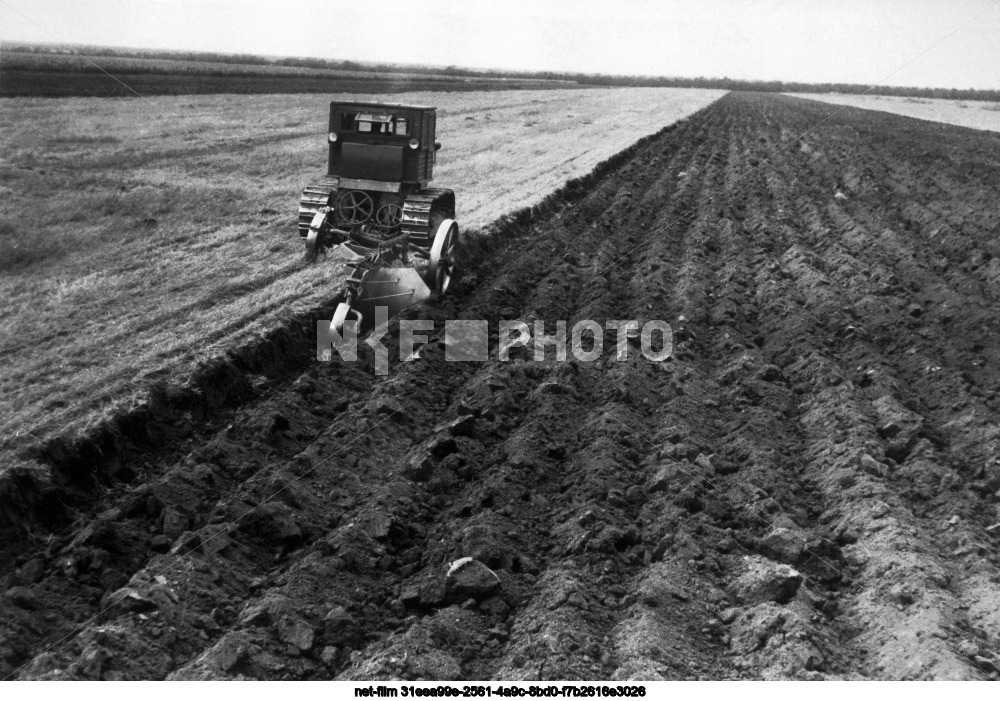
x: 925, y: 43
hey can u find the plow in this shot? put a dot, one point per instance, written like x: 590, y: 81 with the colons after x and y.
x: 396, y: 234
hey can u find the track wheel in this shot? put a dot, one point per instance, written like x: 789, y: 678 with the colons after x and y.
x: 341, y: 315
x: 442, y: 259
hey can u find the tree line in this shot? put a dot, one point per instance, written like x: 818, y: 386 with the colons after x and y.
x: 585, y: 79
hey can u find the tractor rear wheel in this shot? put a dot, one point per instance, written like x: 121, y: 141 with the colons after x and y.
x: 442, y: 259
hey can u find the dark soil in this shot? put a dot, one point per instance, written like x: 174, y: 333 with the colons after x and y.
x: 809, y: 489
x: 20, y: 82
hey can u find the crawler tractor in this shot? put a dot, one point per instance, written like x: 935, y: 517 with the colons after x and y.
x: 398, y: 234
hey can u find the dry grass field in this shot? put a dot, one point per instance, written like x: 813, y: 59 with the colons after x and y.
x: 963, y: 113
x: 141, y: 237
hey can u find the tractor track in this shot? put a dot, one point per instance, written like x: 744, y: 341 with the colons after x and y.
x: 805, y: 490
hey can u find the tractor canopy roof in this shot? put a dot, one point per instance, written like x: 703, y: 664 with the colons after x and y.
x: 376, y: 107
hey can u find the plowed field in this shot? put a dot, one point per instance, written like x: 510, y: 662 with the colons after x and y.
x: 807, y: 489
x: 964, y: 113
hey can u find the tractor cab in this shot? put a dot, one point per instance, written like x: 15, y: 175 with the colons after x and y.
x: 389, y: 144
